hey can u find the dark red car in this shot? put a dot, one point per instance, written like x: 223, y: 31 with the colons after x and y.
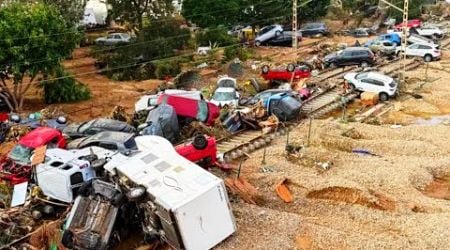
x: 413, y: 23
x: 202, y: 149
x: 299, y: 71
x: 200, y: 110
x: 16, y: 166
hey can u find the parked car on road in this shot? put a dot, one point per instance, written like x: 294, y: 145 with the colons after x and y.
x: 267, y: 33
x: 92, y: 127
x: 114, y: 39
x: 285, y: 74
x: 314, y: 29
x: 428, y: 52
x: 350, y: 56
x: 374, y: 82
x: 284, y: 40
x: 383, y: 47
x: 16, y: 167
x: 200, y: 110
x: 111, y: 140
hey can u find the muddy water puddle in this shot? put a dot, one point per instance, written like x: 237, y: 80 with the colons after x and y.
x: 435, y: 120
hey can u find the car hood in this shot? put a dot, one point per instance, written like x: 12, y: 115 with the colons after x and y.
x: 72, y: 129
x: 350, y: 76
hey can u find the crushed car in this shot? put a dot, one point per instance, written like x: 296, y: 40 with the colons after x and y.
x: 284, y: 106
x: 292, y: 71
x: 111, y: 140
x: 92, y: 127
x: 16, y: 167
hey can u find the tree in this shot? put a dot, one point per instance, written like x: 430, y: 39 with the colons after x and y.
x: 263, y: 12
x: 133, y: 11
x: 72, y: 10
x: 211, y: 13
x: 415, y: 9
x: 313, y: 10
x: 34, y: 39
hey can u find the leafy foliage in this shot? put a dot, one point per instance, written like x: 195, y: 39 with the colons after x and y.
x: 64, y: 89
x: 231, y: 53
x: 218, y: 36
x: 133, y: 11
x: 71, y: 10
x: 414, y: 9
x: 211, y: 13
x: 31, y: 44
x: 313, y: 10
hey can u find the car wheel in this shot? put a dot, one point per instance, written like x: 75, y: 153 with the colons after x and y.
x: 277, y: 33
x: 333, y: 65
x: 290, y: 67
x: 384, y: 97
x: 67, y: 239
x: 352, y: 86
x: 364, y: 64
x: 200, y: 142
x: 258, y: 43
x: 265, y: 69
x: 428, y: 58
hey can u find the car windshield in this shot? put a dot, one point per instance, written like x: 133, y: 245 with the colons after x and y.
x: 21, y: 153
x: 264, y: 30
x: 224, y: 96
x: 85, y: 126
x: 361, y: 76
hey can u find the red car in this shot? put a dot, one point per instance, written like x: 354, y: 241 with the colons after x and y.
x: 413, y: 23
x: 300, y: 71
x: 16, y: 166
x: 202, y: 149
x: 200, y: 110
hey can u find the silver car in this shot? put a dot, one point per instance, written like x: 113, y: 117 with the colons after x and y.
x: 114, y: 39
x: 267, y: 33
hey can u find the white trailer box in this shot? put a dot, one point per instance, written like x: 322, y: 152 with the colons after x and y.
x: 191, y: 203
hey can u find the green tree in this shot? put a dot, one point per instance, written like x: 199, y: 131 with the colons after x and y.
x: 415, y: 9
x: 313, y: 10
x: 264, y: 12
x: 133, y: 11
x: 34, y: 39
x: 72, y: 10
x: 211, y: 13
x: 217, y: 36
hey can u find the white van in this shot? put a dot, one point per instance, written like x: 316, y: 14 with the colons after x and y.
x: 185, y: 205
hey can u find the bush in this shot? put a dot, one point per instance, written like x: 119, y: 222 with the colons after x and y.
x: 242, y: 53
x: 218, y: 36
x: 66, y: 89
x: 166, y: 68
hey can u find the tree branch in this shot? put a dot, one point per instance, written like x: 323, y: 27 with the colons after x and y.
x: 5, y: 98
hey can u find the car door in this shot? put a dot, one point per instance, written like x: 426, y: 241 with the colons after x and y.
x: 306, y: 30
x: 366, y: 85
x: 422, y: 50
x: 413, y: 50
x: 109, y: 39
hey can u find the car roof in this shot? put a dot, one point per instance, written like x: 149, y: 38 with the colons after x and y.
x: 427, y: 44
x: 356, y: 48
x: 108, y: 123
x: 224, y: 89
x: 109, y: 136
x: 60, y: 154
x: 39, y: 137
x: 378, y: 76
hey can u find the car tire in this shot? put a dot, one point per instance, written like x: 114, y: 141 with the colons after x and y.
x: 290, y: 67
x: 265, y: 69
x: 258, y: 43
x: 352, y: 86
x: 277, y: 33
x: 428, y: 58
x: 200, y: 142
x: 333, y: 65
x: 383, y: 97
x: 364, y: 64
x: 67, y: 239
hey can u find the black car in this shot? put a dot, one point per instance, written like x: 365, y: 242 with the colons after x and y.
x: 314, y: 29
x: 350, y: 56
x: 284, y: 40
x: 92, y: 127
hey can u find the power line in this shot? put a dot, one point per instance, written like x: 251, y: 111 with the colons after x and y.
x: 124, y: 46
x: 154, y: 21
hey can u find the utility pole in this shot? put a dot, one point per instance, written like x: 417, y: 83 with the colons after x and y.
x: 294, y: 25
x: 405, y: 12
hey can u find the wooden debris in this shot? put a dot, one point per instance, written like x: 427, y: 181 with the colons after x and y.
x: 283, y: 191
x: 243, y: 189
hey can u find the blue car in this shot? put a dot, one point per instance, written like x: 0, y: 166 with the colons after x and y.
x: 284, y: 106
x: 393, y: 37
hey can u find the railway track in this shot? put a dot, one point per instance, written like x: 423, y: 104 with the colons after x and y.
x: 245, y: 142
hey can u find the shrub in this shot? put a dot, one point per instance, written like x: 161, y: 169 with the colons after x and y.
x: 242, y: 53
x: 218, y: 36
x: 65, y: 89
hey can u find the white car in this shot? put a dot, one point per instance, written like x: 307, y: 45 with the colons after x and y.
x: 431, y: 31
x: 373, y: 82
x: 428, y: 52
x: 267, y: 33
x: 225, y: 96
